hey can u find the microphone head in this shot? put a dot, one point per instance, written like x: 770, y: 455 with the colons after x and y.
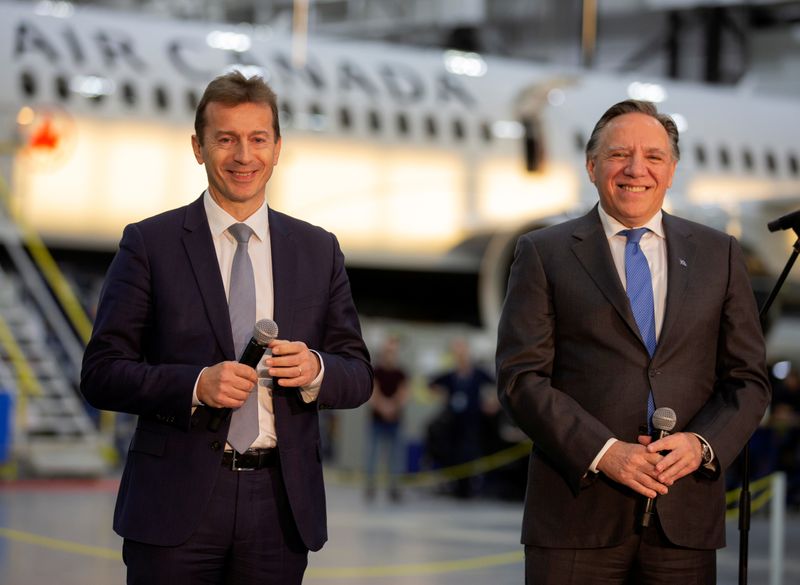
x: 265, y: 331
x: 664, y: 419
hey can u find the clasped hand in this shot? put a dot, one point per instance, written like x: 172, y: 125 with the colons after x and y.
x: 643, y: 468
x: 227, y: 384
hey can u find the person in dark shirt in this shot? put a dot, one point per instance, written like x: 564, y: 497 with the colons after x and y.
x: 463, y: 410
x: 389, y: 396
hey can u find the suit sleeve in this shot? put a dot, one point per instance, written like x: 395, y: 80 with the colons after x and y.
x: 116, y: 374
x: 560, y: 427
x: 742, y: 391
x: 348, y: 375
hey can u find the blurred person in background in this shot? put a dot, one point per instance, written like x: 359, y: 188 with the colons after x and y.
x: 390, y: 392
x: 784, y: 422
x: 457, y: 430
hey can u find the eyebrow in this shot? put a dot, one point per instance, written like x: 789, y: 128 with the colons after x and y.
x: 234, y: 133
x: 648, y: 150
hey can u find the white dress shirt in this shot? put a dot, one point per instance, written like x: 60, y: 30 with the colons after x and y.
x: 654, y: 247
x: 260, y: 252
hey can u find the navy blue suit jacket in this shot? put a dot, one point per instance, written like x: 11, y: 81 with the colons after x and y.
x: 163, y: 316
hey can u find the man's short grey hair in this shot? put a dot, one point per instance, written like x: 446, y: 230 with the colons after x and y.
x: 634, y: 107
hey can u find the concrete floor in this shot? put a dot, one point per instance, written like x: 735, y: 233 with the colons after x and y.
x: 59, y: 532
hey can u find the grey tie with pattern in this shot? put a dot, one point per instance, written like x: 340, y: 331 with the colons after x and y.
x: 242, y: 310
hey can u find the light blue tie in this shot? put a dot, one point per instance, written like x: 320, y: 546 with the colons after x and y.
x: 639, y: 286
x: 242, y: 310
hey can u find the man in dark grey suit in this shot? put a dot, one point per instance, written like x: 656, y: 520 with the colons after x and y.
x: 602, y: 323
x: 190, y: 508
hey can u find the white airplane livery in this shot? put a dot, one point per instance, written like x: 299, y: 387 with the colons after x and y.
x: 420, y: 160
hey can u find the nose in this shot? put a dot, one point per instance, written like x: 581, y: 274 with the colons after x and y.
x: 636, y: 165
x: 243, y: 152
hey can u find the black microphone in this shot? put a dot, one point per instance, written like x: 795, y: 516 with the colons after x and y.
x: 663, y: 422
x: 787, y: 222
x: 265, y: 331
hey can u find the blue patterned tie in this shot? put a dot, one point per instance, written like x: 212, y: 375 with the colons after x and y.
x: 242, y: 309
x: 639, y: 287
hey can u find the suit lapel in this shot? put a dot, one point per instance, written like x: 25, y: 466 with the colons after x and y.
x: 680, y: 258
x: 203, y: 258
x: 591, y: 249
x: 284, y: 272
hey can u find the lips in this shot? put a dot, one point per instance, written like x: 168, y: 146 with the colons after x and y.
x: 242, y: 175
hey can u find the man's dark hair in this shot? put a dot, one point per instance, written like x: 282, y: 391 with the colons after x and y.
x: 233, y: 89
x: 631, y: 107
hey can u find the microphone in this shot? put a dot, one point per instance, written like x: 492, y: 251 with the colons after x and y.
x: 787, y: 222
x: 265, y: 331
x: 663, y: 422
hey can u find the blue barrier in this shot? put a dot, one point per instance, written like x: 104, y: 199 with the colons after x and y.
x: 6, y: 408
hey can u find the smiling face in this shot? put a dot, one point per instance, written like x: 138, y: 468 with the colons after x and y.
x: 239, y: 149
x: 632, y: 168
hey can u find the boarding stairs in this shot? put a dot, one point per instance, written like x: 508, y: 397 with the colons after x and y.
x: 40, y: 355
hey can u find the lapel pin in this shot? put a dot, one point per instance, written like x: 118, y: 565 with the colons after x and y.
x: 683, y: 262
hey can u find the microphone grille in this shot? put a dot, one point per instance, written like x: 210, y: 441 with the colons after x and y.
x: 664, y: 419
x: 265, y: 331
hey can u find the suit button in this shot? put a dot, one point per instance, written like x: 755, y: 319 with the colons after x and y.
x: 216, y: 445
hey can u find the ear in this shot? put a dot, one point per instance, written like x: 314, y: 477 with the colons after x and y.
x: 276, y: 153
x: 197, y: 149
x: 672, y: 173
x: 590, y: 169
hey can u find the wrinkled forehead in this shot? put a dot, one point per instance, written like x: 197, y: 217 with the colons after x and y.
x: 634, y: 130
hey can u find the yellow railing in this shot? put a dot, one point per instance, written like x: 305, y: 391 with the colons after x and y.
x: 51, y: 273
x: 61, y: 289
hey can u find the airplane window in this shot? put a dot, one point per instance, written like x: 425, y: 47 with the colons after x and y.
x: 430, y: 127
x: 374, y: 121
x: 345, y: 119
x: 580, y: 142
x: 532, y: 145
x: 458, y: 129
x: 162, y: 100
x: 402, y: 124
x: 700, y: 154
x: 486, y: 132
x: 129, y: 93
x: 285, y: 113
x: 772, y: 165
x: 794, y: 167
x: 62, y: 87
x: 747, y: 159
x: 28, y: 82
x: 317, y: 121
x: 724, y: 157
x: 192, y: 100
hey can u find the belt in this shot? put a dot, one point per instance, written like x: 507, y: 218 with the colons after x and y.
x: 250, y: 460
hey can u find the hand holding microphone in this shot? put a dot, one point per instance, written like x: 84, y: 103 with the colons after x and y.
x: 663, y: 421
x: 264, y: 332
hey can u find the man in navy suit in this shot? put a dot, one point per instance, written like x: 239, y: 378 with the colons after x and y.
x: 191, y: 509
x: 579, y: 369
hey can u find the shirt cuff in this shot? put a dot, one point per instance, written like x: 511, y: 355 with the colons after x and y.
x: 195, y: 400
x: 711, y: 464
x: 599, y: 456
x: 310, y: 392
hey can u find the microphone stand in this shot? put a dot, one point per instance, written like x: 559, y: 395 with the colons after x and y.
x: 744, y: 496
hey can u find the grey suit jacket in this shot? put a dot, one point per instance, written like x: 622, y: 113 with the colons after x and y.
x: 574, y: 372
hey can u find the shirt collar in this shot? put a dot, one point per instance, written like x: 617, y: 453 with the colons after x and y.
x: 612, y: 227
x: 220, y: 220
